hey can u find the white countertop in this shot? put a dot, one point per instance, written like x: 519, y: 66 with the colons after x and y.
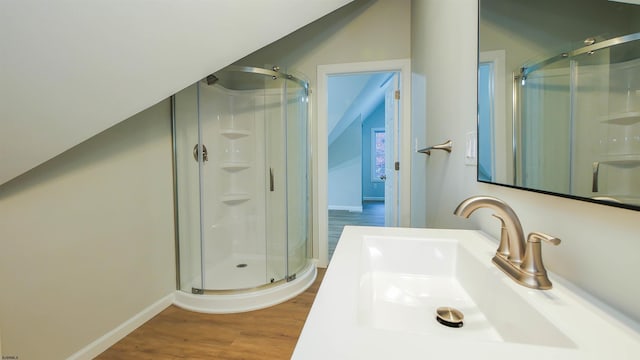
x: 333, y: 331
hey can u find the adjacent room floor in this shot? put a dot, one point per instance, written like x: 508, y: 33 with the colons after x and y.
x: 372, y: 215
x: 270, y: 333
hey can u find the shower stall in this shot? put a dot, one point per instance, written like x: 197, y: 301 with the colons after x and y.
x: 241, y: 165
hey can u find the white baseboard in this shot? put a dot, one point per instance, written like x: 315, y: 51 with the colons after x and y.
x: 373, y: 198
x: 109, y: 339
x: 342, y: 207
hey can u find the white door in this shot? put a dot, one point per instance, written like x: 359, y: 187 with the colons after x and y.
x: 391, y: 156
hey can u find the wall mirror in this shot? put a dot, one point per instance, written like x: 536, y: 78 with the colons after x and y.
x: 559, y: 98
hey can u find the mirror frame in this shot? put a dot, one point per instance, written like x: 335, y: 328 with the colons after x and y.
x: 538, y: 191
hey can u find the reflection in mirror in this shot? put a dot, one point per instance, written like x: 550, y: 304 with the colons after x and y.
x: 559, y: 97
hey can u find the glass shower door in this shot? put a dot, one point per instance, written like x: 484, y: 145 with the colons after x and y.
x: 276, y: 180
x: 232, y: 127
x: 545, y: 128
x: 590, y: 95
x: 297, y: 182
x: 185, y: 135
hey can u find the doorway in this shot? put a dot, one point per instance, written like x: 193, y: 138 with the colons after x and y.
x: 362, y: 120
x: 362, y: 172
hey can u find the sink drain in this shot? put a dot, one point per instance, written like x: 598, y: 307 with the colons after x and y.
x: 449, y: 316
x: 241, y: 265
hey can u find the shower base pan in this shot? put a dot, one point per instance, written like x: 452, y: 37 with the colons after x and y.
x: 234, y: 301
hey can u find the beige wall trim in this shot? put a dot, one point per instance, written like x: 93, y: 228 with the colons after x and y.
x: 109, y: 339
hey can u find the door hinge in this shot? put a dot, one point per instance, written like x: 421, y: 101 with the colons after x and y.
x: 397, y: 95
x: 397, y: 165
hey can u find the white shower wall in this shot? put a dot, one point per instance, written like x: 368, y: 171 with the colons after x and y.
x: 619, y: 151
x: 240, y: 224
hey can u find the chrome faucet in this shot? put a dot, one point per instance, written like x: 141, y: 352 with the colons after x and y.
x: 519, y: 260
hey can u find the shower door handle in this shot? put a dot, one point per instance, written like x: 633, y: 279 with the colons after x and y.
x: 271, y: 187
x: 197, y: 151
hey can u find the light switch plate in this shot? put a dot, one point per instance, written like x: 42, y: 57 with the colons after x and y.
x: 471, y: 149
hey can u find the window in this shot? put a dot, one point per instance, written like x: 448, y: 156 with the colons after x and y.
x: 377, y: 155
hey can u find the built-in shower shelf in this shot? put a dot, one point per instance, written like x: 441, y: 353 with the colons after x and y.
x: 233, y: 166
x: 627, y: 118
x: 622, y: 161
x: 234, y: 133
x: 235, y: 198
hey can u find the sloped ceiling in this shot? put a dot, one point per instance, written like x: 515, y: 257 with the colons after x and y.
x: 343, y: 91
x: 71, y: 69
x: 350, y: 96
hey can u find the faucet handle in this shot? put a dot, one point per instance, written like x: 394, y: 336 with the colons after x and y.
x: 537, y: 236
x: 532, y: 262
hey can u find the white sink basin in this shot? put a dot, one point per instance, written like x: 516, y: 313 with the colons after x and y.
x: 380, y: 292
x: 404, y: 280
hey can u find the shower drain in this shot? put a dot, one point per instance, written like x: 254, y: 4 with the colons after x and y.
x: 241, y: 265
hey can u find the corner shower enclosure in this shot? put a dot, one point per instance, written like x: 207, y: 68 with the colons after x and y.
x: 242, y: 205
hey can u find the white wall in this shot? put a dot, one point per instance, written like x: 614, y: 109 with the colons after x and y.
x: 345, y: 169
x: 600, y: 244
x: 64, y: 62
x: 87, y: 239
x: 419, y: 137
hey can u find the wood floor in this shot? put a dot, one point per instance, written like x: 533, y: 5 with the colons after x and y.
x: 179, y: 334
x: 372, y: 215
x: 263, y: 334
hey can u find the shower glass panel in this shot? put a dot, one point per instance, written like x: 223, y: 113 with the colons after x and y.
x: 275, y: 173
x: 233, y: 205
x: 297, y: 188
x: 185, y: 134
x: 241, y: 163
x: 545, y: 140
x: 589, y: 101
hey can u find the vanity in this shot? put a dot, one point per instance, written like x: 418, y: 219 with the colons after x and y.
x: 379, y: 298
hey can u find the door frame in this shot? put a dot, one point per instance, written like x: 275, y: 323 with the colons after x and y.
x: 320, y: 191
x: 499, y: 125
